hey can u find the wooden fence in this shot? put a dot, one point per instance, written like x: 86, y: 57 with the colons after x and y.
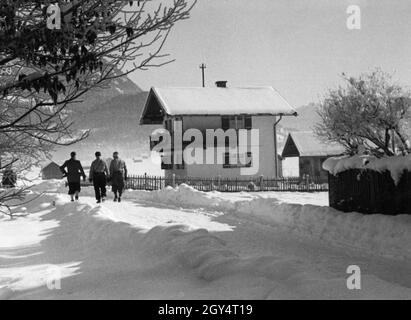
x: 293, y: 184
x: 146, y: 182
x: 368, y: 191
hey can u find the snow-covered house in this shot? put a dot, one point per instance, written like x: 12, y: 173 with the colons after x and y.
x: 223, y: 108
x: 304, y: 154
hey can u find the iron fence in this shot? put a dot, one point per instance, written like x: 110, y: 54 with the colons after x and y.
x: 293, y: 184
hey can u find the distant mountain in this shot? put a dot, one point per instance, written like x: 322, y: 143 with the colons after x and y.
x: 307, y: 118
x: 97, y: 96
x: 112, y: 114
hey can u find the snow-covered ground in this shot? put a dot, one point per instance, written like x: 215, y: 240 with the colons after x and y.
x: 185, y: 244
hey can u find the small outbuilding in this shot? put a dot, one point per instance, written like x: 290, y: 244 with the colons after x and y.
x: 51, y: 171
x: 307, y: 153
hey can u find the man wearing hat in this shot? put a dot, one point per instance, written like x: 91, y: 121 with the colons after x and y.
x: 98, y: 175
x: 73, y: 174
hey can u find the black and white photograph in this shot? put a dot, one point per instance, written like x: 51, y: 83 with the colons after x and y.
x: 205, y: 150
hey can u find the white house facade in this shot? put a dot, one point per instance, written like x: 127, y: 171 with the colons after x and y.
x: 246, y: 110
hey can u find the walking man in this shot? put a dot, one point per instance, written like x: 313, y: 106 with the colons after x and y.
x: 118, y: 174
x: 98, y: 175
x: 73, y: 174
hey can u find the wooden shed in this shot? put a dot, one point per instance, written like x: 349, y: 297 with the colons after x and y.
x: 311, y: 153
x: 51, y: 171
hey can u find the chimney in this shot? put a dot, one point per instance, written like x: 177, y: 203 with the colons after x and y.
x: 221, y: 84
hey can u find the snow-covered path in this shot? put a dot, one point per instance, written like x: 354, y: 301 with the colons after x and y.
x: 141, y: 249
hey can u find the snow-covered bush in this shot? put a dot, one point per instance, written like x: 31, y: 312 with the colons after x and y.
x: 370, y: 111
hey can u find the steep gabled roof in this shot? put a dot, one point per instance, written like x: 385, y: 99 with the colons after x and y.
x: 215, y: 101
x: 51, y: 165
x: 305, y: 143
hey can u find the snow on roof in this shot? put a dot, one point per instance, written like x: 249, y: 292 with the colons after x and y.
x: 50, y: 165
x: 222, y: 101
x: 308, y: 144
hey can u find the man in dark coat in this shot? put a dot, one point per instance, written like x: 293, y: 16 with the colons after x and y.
x: 73, y: 174
x: 118, y: 174
x: 98, y: 175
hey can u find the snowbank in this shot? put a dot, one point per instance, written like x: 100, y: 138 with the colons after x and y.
x: 186, y: 197
x: 379, y: 234
x: 395, y: 165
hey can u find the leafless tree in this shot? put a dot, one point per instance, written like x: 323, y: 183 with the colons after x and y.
x: 53, y: 68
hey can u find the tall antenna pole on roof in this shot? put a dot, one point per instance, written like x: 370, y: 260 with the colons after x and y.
x: 203, y: 67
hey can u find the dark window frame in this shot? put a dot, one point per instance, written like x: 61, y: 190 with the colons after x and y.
x: 227, y: 165
x: 241, y: 122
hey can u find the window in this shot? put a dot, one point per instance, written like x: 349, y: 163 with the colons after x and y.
x: 232, y: 121
x: 230, y: 160
x: 240, y: 122
x: 180, y: 166
x: 236, y: 122
x: 246, y: 160
x: 166, y: 166
x: 236, y: 161
x: 171, y: 166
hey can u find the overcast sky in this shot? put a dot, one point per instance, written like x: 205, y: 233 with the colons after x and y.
x: 300, y: 47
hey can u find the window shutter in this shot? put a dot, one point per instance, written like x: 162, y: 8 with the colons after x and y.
x: 226, y: 160
x: 240, y: 122
x: 248, y: 123
x: 232, y: 123
x: 225, y: 123
x: 249, y: 159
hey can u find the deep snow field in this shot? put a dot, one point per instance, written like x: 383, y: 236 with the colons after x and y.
x: 185, y: 244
